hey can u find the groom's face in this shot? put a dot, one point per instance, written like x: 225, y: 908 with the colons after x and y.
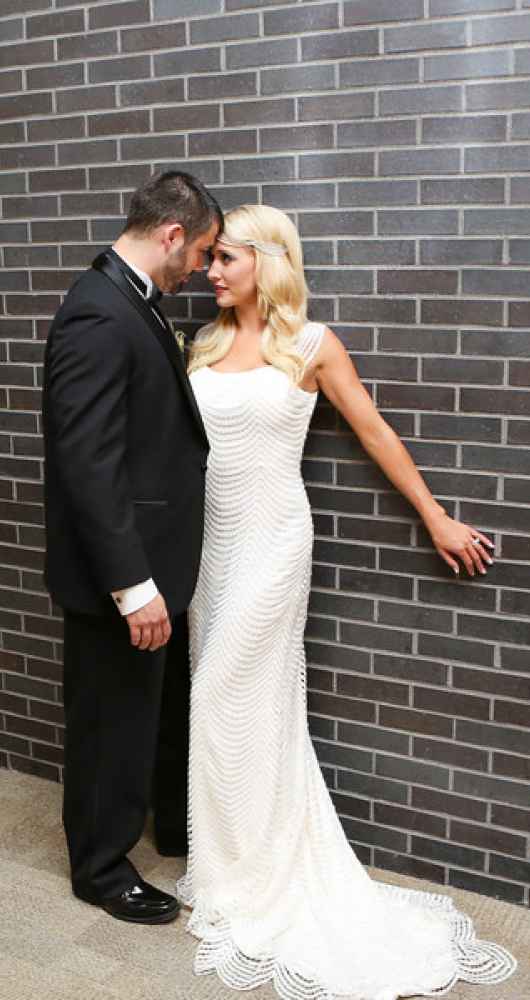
x: 184, y: 257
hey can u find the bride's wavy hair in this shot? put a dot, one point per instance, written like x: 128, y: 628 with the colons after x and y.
x: 281, y: 291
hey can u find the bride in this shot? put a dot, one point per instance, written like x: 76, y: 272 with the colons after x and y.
x: 276, y: 891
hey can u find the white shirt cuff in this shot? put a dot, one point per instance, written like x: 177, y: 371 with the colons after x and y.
x: 133, y: 598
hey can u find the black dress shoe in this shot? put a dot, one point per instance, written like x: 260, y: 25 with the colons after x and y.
x: 141, y: 904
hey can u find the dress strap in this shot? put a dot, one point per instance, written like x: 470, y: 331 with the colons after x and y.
x: 309, y: 340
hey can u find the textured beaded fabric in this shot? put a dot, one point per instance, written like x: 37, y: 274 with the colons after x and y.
x: 276, y: 891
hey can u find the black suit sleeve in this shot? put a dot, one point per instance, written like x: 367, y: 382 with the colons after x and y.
x: 88, y: 368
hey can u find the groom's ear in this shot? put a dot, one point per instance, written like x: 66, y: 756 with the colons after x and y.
x: 173, y: 236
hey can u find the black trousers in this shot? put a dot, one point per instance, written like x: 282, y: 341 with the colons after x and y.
x: 126, y: 747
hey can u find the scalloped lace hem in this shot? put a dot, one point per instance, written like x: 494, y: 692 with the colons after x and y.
x: 472, y: 961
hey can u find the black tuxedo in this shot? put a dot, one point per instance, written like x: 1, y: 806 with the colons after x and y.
x: 126, y: 454
x: 125, y: 449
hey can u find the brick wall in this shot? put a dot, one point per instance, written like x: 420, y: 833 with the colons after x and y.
x: 401, y: 147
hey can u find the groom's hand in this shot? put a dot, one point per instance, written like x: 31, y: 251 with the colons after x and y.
x: 150, y: 627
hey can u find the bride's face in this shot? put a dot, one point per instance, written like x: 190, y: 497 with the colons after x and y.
x: 232, y: 272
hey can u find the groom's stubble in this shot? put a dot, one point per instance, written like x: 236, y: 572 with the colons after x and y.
x: 175, y: 271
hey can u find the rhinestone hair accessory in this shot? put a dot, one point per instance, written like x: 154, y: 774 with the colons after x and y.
x: 272, y: 249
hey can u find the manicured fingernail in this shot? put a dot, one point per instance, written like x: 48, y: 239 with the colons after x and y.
x: 489, y: 561
x: 483, y: 571
x: 456, y: 570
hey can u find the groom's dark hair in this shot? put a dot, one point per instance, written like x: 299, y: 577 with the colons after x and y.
x: 173, y: 197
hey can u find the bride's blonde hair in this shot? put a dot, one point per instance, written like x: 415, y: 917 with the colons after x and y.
x: 281, y: 288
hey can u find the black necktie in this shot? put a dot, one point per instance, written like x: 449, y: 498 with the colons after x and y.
x: 155, y: 296
x: 153, y: 299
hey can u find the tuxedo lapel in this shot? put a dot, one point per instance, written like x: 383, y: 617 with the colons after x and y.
x: 109, y: 266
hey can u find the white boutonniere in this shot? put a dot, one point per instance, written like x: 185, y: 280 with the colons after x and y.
x: 180, y: 337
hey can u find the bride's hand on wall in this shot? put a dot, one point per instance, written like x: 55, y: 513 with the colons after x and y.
x: 336, y: 377
x: 454, y: 538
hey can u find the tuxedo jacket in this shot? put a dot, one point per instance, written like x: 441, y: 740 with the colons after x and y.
x: 125, y: 449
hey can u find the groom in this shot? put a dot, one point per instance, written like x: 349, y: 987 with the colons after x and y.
x: 126, y: 456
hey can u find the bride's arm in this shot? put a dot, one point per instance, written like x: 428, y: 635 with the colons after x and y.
x: 337, y: 378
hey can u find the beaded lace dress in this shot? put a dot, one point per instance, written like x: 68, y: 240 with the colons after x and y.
x: 277, y: 892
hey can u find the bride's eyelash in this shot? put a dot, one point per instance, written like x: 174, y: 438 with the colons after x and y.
x: 224, y: 256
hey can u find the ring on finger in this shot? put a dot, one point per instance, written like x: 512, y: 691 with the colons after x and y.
x: 475, y: 541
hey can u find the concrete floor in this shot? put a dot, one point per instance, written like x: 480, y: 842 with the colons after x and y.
x: 53, y: 947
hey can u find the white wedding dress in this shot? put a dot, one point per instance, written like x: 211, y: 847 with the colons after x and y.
x: 277, y: 892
